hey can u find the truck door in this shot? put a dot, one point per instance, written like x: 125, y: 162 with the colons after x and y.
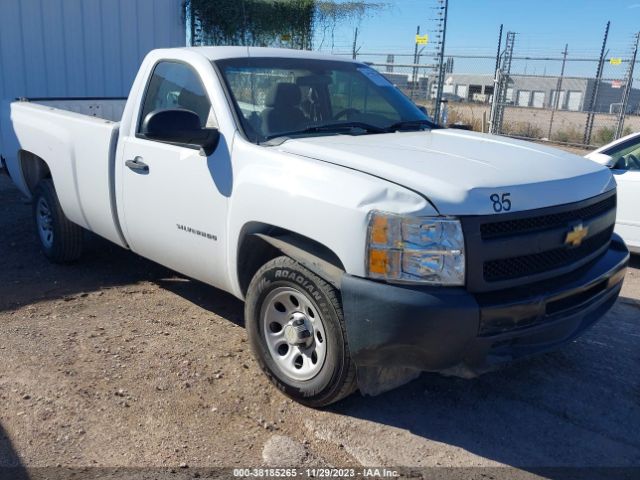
x: 174, y: 198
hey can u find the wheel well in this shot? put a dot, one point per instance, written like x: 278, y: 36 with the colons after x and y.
x: 33, y: 169
x: 254, y: 251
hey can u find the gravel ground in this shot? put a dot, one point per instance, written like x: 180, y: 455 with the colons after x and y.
x: 118, y: 362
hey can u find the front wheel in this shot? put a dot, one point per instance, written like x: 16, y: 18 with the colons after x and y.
x: 296, y: 330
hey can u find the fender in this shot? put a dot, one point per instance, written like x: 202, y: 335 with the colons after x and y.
x: 308, y: 255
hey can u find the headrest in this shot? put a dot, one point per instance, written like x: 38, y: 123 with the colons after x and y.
x: 284, y: 95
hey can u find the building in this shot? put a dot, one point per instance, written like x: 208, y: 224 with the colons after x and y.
x: 530, y: 91
x: 81, y: 48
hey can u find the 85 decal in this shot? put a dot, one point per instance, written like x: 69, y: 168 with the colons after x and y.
x: 501, y: 203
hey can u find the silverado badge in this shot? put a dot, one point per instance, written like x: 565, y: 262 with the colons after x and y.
x: 577, y: 235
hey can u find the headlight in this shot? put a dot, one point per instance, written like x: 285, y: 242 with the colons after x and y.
x: 409, y: 249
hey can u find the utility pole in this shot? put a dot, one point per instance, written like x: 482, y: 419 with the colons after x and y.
x: 355, y: 44
x: 416, y: 83
x: 627, y: 88
x: 556, y: 101
x: 594, y: 94
x: 391, y: 59
x: 419, y: 55
x: 414, y: 76
x: 441, y: 72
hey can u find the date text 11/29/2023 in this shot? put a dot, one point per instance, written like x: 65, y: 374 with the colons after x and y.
x: 315, y: 473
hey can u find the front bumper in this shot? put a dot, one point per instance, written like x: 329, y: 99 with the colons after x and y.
x: 448, y: 329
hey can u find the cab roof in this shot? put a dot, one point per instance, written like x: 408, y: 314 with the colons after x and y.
x: 222, y: 53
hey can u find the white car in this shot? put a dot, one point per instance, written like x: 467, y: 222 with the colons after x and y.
x: 623, y: 158
x: 364, y: 239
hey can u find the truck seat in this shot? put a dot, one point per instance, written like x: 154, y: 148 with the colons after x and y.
x: 283, y: 113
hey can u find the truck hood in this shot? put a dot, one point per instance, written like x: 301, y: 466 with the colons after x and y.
x: 459, y: 171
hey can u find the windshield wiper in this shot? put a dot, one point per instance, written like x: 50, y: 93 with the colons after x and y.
x: 410, y: 124
x: 330, y: 128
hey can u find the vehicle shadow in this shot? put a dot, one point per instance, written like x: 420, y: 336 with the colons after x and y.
x: 206, y: 297
x: 11, y: 467
x: 105, y: 265
x: 27, y: 277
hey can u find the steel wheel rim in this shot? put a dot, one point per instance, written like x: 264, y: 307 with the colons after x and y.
x: 281, y: 309
x: 44, y: 222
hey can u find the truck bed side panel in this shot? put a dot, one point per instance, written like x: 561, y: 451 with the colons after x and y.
x: 79, y: 150
x: 104, y: 108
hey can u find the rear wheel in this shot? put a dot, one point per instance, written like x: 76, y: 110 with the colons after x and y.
x: 296, y: 331
x: 60, y: 239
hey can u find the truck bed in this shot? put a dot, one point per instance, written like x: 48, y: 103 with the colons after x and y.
x: 77, y: 138
x: 106, y: 108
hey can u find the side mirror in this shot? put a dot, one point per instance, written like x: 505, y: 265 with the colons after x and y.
x: 423, y: 109
x: 602, y: 159
x: 180, y: 127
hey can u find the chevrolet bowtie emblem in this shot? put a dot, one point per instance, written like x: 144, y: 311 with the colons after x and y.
x: 577, y: 235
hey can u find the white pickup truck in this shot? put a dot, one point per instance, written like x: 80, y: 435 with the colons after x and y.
x: 367, y: 243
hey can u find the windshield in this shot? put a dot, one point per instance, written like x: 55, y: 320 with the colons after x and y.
x: 277, y: 97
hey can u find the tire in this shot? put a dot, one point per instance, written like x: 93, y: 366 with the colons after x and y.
x: 60, y: 239
x: 271, y: 315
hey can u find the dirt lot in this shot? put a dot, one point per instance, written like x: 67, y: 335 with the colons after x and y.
x: 115, y: 361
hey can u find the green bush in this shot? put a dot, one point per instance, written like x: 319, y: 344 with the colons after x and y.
x: 570, y: 135
x: 522, y: 129
x: 603, y: 135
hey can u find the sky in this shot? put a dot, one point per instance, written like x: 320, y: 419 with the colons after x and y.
x: 543, y: 28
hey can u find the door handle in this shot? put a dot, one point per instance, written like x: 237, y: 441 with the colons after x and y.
x: 137, y: 165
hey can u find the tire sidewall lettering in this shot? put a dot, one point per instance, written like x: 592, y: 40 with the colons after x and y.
x: 302, y: 282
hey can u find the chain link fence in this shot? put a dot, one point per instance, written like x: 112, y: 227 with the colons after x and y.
x: 554, y: 98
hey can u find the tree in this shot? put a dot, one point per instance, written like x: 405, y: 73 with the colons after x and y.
x: 330, y: 13
x: 291, y: 23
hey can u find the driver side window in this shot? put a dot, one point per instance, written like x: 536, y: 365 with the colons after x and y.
x: 626, y: 156
x: 177, y: 85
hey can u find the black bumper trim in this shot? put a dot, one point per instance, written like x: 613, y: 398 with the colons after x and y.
x: 437, y: 329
